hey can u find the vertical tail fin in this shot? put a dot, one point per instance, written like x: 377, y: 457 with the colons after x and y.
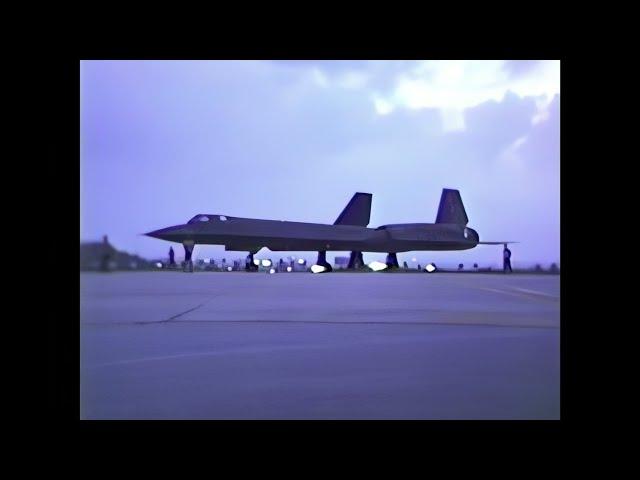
x: 451, y: 209
x: 357, y: 212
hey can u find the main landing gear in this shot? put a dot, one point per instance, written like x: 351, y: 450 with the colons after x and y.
x: 249, y: 266
x: 322, y: 261
x: 355, y: 261
x: 392, y: 261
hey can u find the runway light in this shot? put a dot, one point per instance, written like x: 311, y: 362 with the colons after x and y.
x: 273, y: 270
x: 158, y: 264
x: 300, y: 261
x: 430, y: 268
x: 289, y: 269
x: 266, y: 263
x: 256, y: 262
x: 317, y: 268
x: 377, y: 266
x: 229, y: 269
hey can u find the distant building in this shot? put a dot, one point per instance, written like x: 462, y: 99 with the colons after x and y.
x: 96, y: 256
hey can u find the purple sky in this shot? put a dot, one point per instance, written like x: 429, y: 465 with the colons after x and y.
x: 164, y: 140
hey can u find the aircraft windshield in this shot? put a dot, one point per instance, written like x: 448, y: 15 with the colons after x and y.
x: 208, y: 218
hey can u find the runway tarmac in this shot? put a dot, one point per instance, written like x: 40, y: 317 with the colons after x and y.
x: 209, y: 345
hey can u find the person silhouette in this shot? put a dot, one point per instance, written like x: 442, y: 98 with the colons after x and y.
x: 171, y: 256
x: 507, y: 259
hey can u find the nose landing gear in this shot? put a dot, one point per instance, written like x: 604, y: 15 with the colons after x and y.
x: 392, y: 261
x: 188, y: 251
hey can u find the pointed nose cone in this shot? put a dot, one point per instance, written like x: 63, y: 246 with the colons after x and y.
x: 154, y: 234
x: 176, y: 233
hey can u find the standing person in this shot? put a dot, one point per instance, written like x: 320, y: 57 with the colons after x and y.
x: 171, y: 256
x: 507, y: 259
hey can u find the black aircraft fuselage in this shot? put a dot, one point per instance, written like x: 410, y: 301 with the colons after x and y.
x: 349, y: 231
x: 249, y: 234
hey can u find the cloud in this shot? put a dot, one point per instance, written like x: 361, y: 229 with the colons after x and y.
x: 454, y: 86
x: 346, y: 79
x: 451, y: 86
x: 510, y: 155
x: 382, y: 106
x: 516, y: 68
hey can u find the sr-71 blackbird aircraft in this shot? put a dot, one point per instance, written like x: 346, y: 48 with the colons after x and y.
x: 348, y: 233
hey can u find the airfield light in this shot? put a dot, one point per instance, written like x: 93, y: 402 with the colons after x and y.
x: 229, y: 269
x: 289, y: 269
x: 300, y: 261
x: 158, y: 264
x: 256, y: 262
x: 266, y: 263
x: 317, y: 268
x: 273, y: 270
x: 377, y: 266
x: 430, y: 268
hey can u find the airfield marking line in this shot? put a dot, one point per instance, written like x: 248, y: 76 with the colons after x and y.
x: 536, y: 292
x: 227, y: 351
x: 506, y: 292
x: 327, y: 322
x: 520, y: 295
x: 337, y: 322
x: 150, y: 359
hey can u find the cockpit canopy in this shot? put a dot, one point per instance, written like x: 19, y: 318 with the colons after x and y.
x: 209, y: 218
